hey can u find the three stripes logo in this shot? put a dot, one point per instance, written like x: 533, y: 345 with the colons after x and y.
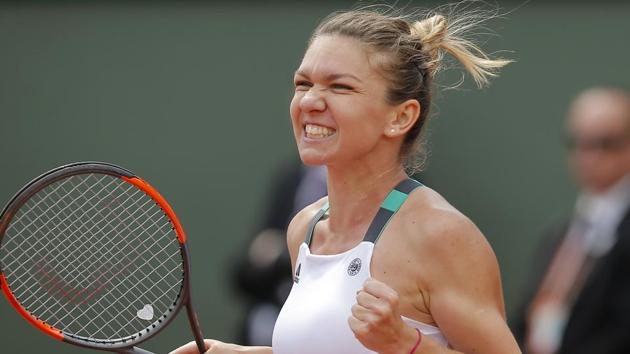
x: 296, y: 278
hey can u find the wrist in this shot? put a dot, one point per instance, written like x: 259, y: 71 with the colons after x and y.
x: 254, y: 350
x: 414, y: 349
x: 409, y: 341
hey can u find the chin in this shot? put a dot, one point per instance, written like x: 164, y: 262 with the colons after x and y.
x: 312, y: 159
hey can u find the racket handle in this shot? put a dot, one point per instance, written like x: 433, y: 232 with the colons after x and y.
x: 196, y: 329
x: 134, y: 350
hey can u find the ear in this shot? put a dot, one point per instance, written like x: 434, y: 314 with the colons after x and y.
x: 403, y: 117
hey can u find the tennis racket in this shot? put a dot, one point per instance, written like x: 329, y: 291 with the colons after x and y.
x: 94, y: 256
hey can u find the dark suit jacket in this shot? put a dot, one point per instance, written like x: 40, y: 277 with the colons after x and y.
x: 599, y: 322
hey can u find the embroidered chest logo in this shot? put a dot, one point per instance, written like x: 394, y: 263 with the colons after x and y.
x: 296, y: 278
x: 355, y: 267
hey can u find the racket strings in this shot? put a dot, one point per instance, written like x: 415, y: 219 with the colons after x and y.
x: 44, y: 217
x: 102, y: 274
x: 67, y: 259
x: 51, y: 240
x: 122, y: 328
x: 88, y: 253
x: 88, y: 319
x: 102, y: 252
x: 135, y: 279
x: 56, y: 237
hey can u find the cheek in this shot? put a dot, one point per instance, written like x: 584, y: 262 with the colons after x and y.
x: 294, y: 109
x: 370, y: 122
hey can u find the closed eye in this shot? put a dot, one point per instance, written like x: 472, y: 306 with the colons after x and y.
x: 341, y: 87
x: 302, y: 85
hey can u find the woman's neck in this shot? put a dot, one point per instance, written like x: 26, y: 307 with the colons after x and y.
x: 355, y: 195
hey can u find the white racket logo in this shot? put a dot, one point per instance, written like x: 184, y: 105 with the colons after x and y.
x: 146, y: 313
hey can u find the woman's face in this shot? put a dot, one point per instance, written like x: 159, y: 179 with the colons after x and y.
x: 339, y: 112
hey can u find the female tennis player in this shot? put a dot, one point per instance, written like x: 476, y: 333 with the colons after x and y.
x: 383, y: 264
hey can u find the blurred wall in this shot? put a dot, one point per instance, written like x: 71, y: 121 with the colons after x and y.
x: 193, y: 96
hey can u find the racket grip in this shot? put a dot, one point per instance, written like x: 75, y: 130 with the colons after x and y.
x: 135, y: 350
x: 196, y: 329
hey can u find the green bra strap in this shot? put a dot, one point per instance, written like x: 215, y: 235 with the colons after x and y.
x: 389, y: 207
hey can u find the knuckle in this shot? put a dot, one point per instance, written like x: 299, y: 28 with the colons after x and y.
x: 354, y: 309
x: 365, y: 330
x: 380, y: 312
x: 387, y: 312
x: 360, y: 331
x: 394, y: 299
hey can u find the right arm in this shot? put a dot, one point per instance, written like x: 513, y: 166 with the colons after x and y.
x: 218, y: 347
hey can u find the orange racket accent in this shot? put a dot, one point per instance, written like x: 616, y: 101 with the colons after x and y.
x: 153, y: 193
x: 51, y: 331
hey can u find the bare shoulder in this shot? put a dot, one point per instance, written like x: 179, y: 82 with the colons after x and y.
x: 298, y: 227
x: 440, y: 232
x: 451, y: 253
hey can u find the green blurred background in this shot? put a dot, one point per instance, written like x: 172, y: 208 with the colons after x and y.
x: 193, y: 96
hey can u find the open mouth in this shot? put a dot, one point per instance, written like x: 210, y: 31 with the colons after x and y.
x: 313, y: 131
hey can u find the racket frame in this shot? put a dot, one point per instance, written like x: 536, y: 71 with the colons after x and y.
x: 124, y: 344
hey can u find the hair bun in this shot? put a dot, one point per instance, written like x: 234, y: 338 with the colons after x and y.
x: 438, y: 36
x: 431, y: 33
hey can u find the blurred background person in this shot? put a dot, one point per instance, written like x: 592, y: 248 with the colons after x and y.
x: 262, y: 275
x: 581, y: 302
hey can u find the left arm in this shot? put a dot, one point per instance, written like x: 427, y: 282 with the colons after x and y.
x: 465, y: 291
x: 462, y: 286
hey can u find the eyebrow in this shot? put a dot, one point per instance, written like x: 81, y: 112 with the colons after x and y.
x: 332, y: 77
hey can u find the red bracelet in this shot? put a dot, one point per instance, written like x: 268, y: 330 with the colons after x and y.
x: 413, y: 350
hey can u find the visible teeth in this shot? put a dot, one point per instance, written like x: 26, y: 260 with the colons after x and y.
x: 316, y: 131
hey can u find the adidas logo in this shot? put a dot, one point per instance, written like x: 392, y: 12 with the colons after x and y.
x: 296, y: 278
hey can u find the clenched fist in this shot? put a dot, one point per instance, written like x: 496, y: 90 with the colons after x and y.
x: 376, y: 320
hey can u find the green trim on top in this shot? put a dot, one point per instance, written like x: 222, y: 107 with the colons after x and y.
x: 390, y: 207
x: 394, y: 200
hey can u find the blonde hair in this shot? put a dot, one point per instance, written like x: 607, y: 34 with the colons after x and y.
x: 411, y: 50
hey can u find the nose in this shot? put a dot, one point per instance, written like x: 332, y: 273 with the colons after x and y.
x: 313, y: 100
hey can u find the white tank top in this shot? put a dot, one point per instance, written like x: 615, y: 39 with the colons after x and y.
x: 314, y: 319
